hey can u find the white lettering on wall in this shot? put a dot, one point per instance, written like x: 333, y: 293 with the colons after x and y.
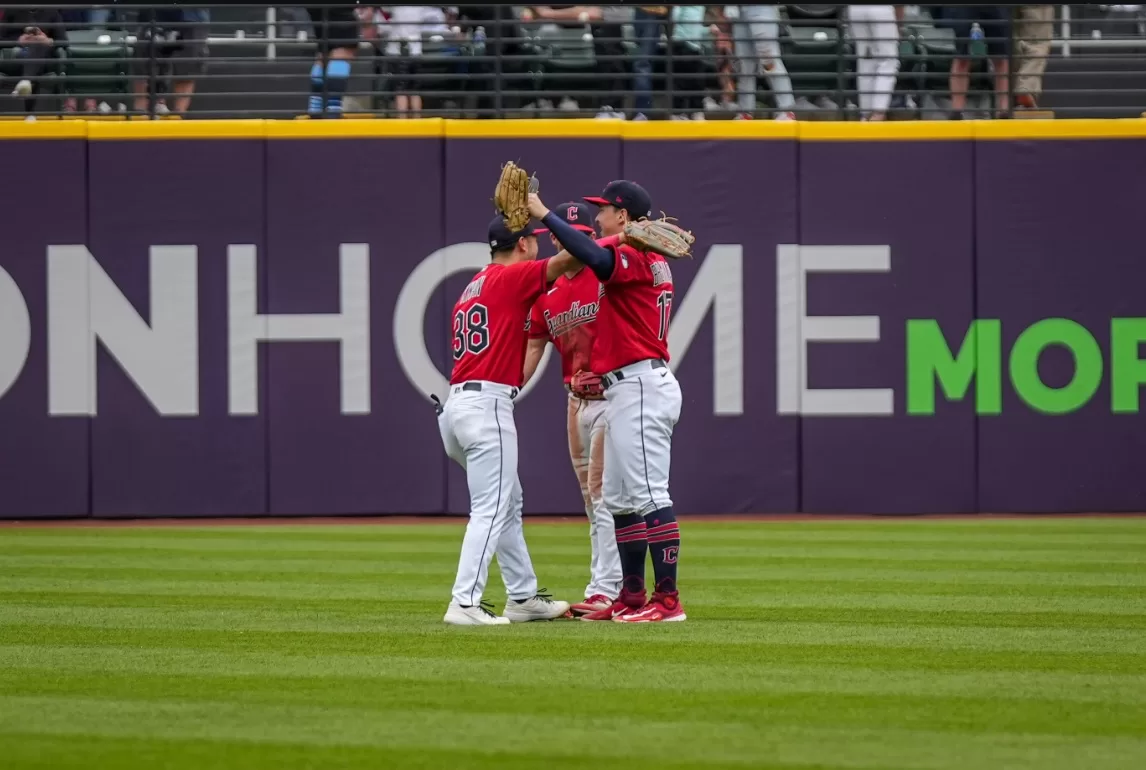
x: 15, y: 332
x: 85, y: 306
x: 161, y: 355
x: 719, y: 284
x: 795, y: 329
x: 350, y: 327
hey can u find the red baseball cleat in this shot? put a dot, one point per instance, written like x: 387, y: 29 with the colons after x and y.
x: 662, y: 608
x: 592, y: 604
x: 614, y: 609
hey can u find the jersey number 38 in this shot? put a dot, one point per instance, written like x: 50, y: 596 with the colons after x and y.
x: 471, y: 331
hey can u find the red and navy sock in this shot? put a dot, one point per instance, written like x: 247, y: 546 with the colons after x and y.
x: 664, y: 544
x: 632, y: 546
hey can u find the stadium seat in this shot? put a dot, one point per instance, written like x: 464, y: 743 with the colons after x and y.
x: 561, y: 60
x: 440, y: 57
x: 812, y: 46
x: 933, y: 49
x: 95, y: 68
x: 566, y: 47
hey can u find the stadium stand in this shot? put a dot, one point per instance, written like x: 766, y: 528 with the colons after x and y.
x: 608, y: 61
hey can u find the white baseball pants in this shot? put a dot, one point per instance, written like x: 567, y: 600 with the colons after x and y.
x: 479, y: 434
x: 876, y: 36
x: 643, y: 407
x: 756, y: 44
x: 586, y: 426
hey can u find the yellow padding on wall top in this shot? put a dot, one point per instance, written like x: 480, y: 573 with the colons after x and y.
x: 723, y: 130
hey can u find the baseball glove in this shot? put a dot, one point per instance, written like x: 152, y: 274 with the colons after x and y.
x: 511, y: 195
x: 660, y: 236
x: 586, y: 384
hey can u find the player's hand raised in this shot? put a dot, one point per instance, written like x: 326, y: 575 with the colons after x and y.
x: 536, y: 208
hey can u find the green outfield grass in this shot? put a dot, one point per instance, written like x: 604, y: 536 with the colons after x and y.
x: 905, y: 644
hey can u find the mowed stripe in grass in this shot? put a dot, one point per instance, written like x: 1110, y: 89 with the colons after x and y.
x: 921, y: 644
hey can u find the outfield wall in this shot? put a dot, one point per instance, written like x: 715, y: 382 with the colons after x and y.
x: 242, y: 318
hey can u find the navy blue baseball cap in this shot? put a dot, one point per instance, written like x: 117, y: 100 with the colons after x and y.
x: 501, y: 238
x: 577, y: 215
x: 626, y: 195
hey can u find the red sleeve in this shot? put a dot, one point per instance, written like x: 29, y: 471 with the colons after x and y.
x: 538, y: 329
x: 629, y: 265
x: 526, y: 279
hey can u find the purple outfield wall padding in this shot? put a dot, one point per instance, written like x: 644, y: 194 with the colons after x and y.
x: 739, y: 200
x: 385, y: 193
x: 44, y: 465
x: 207, y: 194
x: 237, y: 374
x: 1059, y: 235
x: 568, y: 169
x: 916, y: 198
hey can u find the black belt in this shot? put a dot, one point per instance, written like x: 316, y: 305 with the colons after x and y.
x: 475, y: 387
x: 618, y: 375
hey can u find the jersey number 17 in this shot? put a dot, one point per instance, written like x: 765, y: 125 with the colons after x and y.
x: 664, y: 305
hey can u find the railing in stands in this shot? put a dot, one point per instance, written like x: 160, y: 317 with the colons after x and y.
x: 812, y: 62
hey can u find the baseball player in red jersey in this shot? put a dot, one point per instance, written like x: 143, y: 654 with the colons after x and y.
x: 476, y: 423
x: 642, y: 396
x: 565, y: 316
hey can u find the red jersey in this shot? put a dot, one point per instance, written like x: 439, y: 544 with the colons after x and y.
x: 565, y: 315
x: 633, y: 322
x: 490, y: 322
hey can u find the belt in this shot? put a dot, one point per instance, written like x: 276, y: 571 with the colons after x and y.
x: 474, y: 386
x: 615, y: 376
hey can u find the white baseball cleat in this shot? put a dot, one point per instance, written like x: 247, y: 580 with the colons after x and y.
x: 539, y: 607
x: 476, y: 615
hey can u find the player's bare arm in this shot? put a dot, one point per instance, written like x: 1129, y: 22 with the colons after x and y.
x: 580, y: 246
x: 558, y: 265
x: 533, y: 353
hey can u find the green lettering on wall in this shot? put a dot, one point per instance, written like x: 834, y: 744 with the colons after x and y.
x: 1127, y: 370
x: 1025, y: 366
x: 929, y: 360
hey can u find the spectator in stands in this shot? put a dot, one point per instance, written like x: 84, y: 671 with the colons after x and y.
x: 99, y: 16
x: 406, y: 26
x: 32, y: 37
x: 371, y: 23
x: 991, y: 24
x: 690, y: 69
x: 175, y: 38
x: 649, y: 22
x: 727, y: 65
x: 875, y: 32
x: 612, y: 59
x: 608, y: 46
x: 336, y: 32
x: 1033, y: 34
x: 96, y: 15
x: 503, y: 54
x: 756, y: 36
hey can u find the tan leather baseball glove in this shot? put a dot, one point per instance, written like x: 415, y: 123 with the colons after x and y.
x: 660, y: 236
x: 511, y: 195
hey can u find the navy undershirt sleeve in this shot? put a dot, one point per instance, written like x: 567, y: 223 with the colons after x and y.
x: 584, y: 249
